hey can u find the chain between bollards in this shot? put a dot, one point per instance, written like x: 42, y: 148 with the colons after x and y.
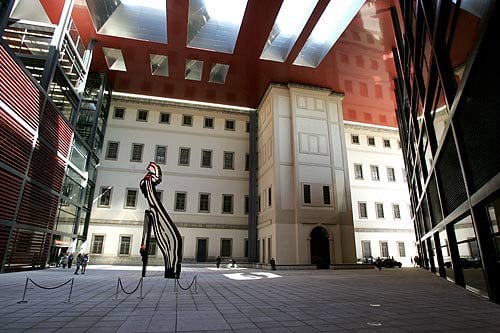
x: 24, y: 293
x: 120, y: 284
x: 47, y: 288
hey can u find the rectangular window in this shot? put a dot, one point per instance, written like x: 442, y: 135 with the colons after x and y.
x: 259, y: 204
x: 401, y: 249
x: 164, y: 118
x: 384, y: 250
x: 180, y: 201
x: 184, y: 156
x: 358, y: 171
x: 227, y: 203
x: 161, y: 154
x: 228, y: 160
x: 229, y: 125
x: 390, y: 174
x: 326, y: 195
x: 387, y: 143
x: 119, y: 113
x: 246, y: 248
x: 363, y: 214
x: 307, y: 193
x: 269, y: 197
x: 142, y: 115
x: 208, y: 122
x: 136, y: 155
x: 226, y: 246
x: 355, y: 139
x: 187, y: 120
x: 366, y: 249
x: 371, y: 141
x: 131, y: 198
x: 375, y: 173
x: 112, y: 150
x: 206, y: 158
x: 247, y: 205
x: 204, y: 203
x: 97, y: 244
x: 380, y: 210
x: 105, y: 196
x: 395, y: 211
x: 125, y: 242
x: 152, y: 247
x: 247, y: 128
x: 247, y: 162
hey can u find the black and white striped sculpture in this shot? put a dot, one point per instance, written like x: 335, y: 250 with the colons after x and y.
x: 167, y: 235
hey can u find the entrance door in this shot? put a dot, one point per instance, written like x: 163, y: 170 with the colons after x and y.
x: 320, y: 248
x: 201, y: 250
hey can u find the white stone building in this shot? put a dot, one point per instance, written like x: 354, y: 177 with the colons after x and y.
x: 379, y: 193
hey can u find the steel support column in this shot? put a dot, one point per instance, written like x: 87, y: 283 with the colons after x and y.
x: 252, y: 189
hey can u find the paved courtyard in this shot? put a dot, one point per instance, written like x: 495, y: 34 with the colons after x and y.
x: 244, y: 300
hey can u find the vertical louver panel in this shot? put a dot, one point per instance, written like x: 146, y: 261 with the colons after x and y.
x: 10, y: 187
x: 451, y: 178
x: 15, y: 143
x: 28, y: 249
x: 55, y: 130
x: 38, y: 207
x: 26, y: 99
x: 46, y: 167
x: 435, y: 206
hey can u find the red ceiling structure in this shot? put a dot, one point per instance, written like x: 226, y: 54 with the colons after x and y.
x: 360, y: 64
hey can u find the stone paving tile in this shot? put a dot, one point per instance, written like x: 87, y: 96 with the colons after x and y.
x: 299, y: 301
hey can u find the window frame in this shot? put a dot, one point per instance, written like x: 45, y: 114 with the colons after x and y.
x: 353, y: 141
x: 381, y: 248
x: 99, y: 204
x: 211, y: 158
x: 329, y: 203
x: 165, y: 122
x: 205, y: 122
x: 226, y: 122
x: 232, y: 203
x: 119, y: 108
x: 186, y: 116
x: 199, y: 202
x: 120, y: 240
x: 399, y: 243
x: 188, y: 156
x: 132, y: 152
x: 359, y: 210
x: 394, y: 205
x: 377, y: 211
x: 230, y: 247
x: 384, y: 141
x: 247, y: 162
x: 368, y: 138
x: 125, y: 201
x: 389, y: 179
x: 375, y: 168
x: 156, y: 154
x: 175, y: 201
x: 246, y: 204
x: 355, y: 171
x: 224, y: 167
x: 102, y: 245
x: 304, y: 194
x: 106, y: 157
x: 269, y: 197
x: 139, y: 111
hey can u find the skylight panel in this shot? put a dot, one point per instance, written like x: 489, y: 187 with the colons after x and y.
x: 290, y: 22
x: 214, y: 25
x: 218, y: 73
x: 194, y: 70
x: 114, y: 59
x: 332, y: 23
x: 159, y: 64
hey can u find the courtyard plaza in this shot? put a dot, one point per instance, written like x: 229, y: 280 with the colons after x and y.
x: 243, y: 300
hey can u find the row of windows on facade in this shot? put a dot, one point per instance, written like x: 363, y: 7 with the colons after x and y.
x: 160, y: 155
x: 375, y: 173
x: 180, y: 201
x: 379, y: 210
x: 370, y: 141
x: 187, y: 119
x: 125, y: 246
x: 366, y: 249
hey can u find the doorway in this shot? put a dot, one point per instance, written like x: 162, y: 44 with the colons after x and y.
x: 320, y: 248
x: 201, y: 249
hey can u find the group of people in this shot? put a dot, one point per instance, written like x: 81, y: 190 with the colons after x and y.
x: 232, y: 263
x: 81, y: 262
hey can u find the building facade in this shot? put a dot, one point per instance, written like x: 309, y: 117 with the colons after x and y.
x: 379, y: 194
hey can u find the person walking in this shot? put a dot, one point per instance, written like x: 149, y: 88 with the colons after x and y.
x: 85, y: 260
x: 273, y: 264
x: 64, y: 261
x: 79, y: 261
x: 70, y: 260
x: 217, y: 262
x: 378, y: 263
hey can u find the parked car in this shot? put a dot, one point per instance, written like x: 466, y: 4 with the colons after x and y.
x: 391, y: 263
x: 466, y: 263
